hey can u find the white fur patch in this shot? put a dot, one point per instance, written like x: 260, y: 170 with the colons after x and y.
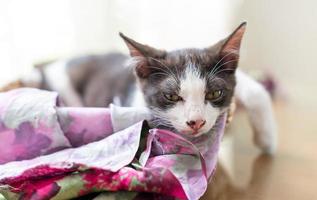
x: 138, y: 98
x: 194, y: 107
x: 32, y: 79
x: 58, y: 79
x: 257, y: 102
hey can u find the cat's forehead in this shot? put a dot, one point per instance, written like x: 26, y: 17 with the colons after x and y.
x: 192, y: 56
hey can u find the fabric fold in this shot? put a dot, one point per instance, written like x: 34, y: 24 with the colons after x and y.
x: 101, y: 150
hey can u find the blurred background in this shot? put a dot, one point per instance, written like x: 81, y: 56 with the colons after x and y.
x: 281, y: 40
x: 281, y: 35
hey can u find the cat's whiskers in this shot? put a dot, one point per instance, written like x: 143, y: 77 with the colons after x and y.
x: 223, y: 70
x: 159, y: 116
x: 165, y: 73
x: 160, y: 70
x: 160, y: 62
x: 233, y: 60
x: 214, y: 75
x: 217, y: 72
x: 216, y: 67
x: 158, y: 73
x: 160, y: 122
x: 175, y: 76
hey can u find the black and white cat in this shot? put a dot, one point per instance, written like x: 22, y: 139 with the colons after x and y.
x: 186, y: 89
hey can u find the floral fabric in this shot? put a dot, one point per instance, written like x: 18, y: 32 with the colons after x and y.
x: 52, y: 152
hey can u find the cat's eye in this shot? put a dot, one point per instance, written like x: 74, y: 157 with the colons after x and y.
x: 173, y: 97
x: 214, y: 95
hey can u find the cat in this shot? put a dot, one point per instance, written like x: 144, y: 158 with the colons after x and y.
x: 186, y: 89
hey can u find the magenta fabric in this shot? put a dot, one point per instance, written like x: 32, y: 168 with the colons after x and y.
x: 28, y: 125
x: 57, y: 152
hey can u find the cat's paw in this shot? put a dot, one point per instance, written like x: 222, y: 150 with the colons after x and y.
x: 266, y: 140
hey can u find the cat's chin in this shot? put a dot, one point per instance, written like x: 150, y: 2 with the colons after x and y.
x: 192, y: 134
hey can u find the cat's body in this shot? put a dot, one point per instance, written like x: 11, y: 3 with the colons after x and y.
x: 92, y: 81
x: 186, y: 90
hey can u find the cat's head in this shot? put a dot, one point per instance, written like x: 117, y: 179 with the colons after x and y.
x: 187, y: 89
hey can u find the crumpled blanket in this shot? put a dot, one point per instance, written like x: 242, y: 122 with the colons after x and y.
x: 52, y: 152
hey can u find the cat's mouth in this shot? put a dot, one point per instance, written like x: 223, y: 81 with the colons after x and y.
x: 157, y: 123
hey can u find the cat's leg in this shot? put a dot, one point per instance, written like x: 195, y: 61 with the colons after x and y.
x: 253, y: 96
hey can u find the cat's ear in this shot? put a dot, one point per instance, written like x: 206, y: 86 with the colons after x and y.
x: 138, y: 49
x: 229, y: 48
x: 144, y: 54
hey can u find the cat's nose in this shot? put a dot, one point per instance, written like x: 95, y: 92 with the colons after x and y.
x: 196, y: 124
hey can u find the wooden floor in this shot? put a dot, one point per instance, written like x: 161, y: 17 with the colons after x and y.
x: 244, y: 173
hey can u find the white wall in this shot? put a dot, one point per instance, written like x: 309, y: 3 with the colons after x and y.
x: 282, y: 37
x: 39, y: 30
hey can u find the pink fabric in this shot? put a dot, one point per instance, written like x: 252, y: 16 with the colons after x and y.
x: 133, y: 159
x: 85, y: 125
